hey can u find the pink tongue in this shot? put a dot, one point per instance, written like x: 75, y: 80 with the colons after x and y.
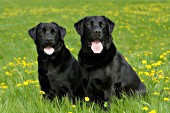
x: 49, y: 50
x: 96, y: 46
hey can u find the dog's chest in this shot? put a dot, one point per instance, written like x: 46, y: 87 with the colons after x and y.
x: 100, y: 73
x: 51, y: 67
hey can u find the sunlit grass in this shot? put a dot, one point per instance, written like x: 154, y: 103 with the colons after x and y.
x: 141, y: 34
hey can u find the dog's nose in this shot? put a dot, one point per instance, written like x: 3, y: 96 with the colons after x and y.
x: 97, y: 31
x: 49, y: 40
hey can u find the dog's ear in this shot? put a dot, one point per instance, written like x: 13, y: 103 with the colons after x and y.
x: 110, y: 24
x: 84, y: 82
x: 79, y: 27
x: 32, y: 33
x: 62, y: 32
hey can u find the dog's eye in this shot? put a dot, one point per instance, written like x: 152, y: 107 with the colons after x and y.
x: 53, y: 31
x: 40, y: 32
x: 91, y: 23
x: 88, y: 24
x: 101, y: 24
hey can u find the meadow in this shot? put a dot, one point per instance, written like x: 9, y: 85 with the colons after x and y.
x: 141, y: 34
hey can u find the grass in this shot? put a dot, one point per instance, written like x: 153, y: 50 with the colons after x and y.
x: 141, y: 34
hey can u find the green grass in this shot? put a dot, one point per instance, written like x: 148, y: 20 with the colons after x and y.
x: 141, y: 33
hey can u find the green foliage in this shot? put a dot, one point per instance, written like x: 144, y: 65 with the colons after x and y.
x: 141, y: 34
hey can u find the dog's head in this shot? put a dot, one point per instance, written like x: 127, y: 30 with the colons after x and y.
x: 48, y: 37
x: 95, y: 32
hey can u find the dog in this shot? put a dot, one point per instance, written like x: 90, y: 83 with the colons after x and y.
x: 105, y: 71
x: 57, y: 68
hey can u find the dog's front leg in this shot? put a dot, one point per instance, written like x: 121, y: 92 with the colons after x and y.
x: 107, y: 98
x: 71, y: 98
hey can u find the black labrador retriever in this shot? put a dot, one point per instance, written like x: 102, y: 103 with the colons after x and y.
x: 57, y: 68
x: 105, y: 71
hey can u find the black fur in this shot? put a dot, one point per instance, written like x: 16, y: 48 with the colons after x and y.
x: 58, y: 72
x: 106, y: 73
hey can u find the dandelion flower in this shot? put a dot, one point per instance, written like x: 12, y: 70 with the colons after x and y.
x: 140, y: 72
x: 145, y: 108
x: 166, y: 88
x: 18, y: 85
x: 4, y: 67
x: 7, y: 73
x: 4, y: 87
x: 156, y: 93
x: 148, y: 66
x: 2, y: 84
x: 153, y: 111
x: 146, y: 73
x: 144, y: 62
x: 166, y: 99
x: 87, y: 99
x: 70, y: 112
x: 161, y: 56
x: 26, y: 83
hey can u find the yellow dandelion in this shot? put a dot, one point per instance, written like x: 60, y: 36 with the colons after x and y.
x: 26, y: 83
x: 4, y: 87
x: 26, y: 70
x: 24, y: 63
x: 161, y: 56
x: 70, y: 112
x: 166, y: 99
x: 145, y: 108
x: 161, y: 77
x: 2, y: 84
x: 165, y: 58
x: 146, y: 73
x: 160, y: 71
x: 140, y: 73
x: 151, y: 74
x: 153, y: 71
x: 153, y: 111
x: 73, y: 106
x: 18, y: 85
x: 144, y: 62
x: 165, y: 54
x: 4, y: 67
x: 156, y: 93
x: 159, y: 63
x: 24, y: 58
x: 7, y: 73
x: 148, y: 66
x: 11, y: 64
x: 166, y: 88
x: 42, y: 92
x: 87, y: 99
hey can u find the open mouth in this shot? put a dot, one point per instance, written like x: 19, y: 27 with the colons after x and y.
x: 96, y: 46
x: 49, y: 50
